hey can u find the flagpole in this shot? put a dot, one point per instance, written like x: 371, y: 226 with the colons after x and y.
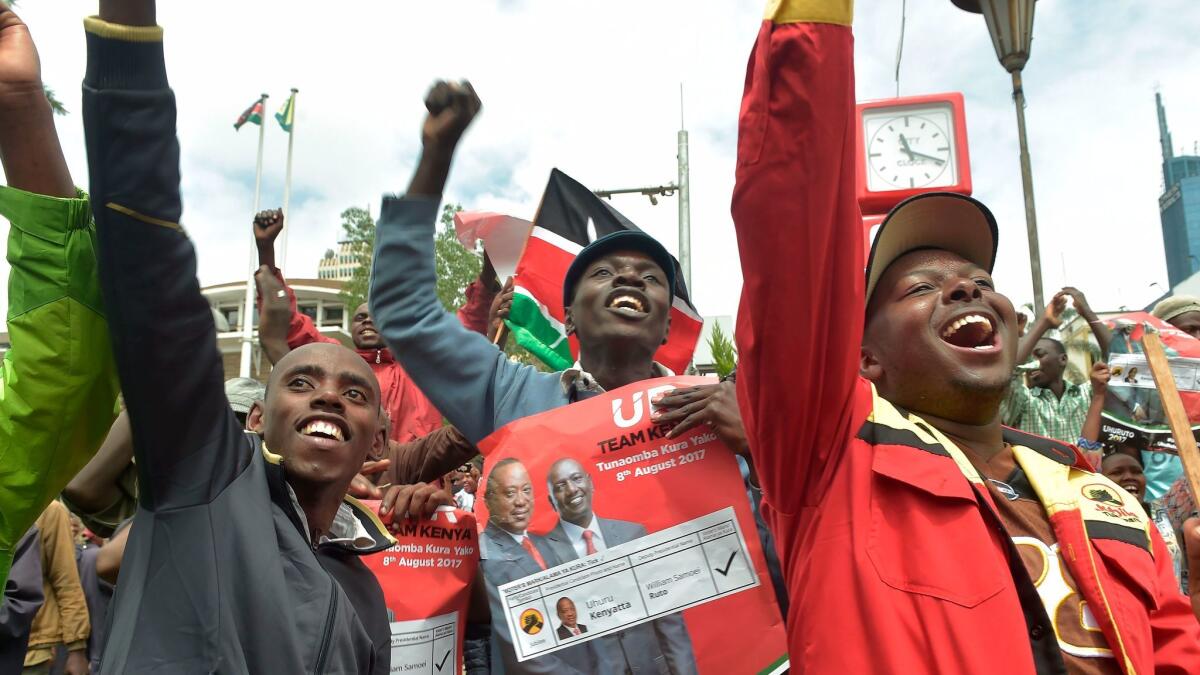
x: 248, y: 308
x: 287, y: 183
x: 685, y: 203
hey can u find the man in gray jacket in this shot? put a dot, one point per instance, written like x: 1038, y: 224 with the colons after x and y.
x: 241, y: 559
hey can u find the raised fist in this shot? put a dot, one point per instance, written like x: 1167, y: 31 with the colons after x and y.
x: 267, y: 226
x: 20, y: 69
x: 451, y: 108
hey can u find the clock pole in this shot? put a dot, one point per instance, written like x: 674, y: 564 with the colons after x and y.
x: 1035, y: 257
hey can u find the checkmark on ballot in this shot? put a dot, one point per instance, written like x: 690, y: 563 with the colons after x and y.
x: 439, y: 666
x: 728, y: 564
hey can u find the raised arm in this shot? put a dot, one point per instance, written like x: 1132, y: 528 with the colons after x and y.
x: 1089, y: 436
x: 300, y: 327
x: 58, y: 383
x: 1099, y: 328
x: 799, y: 234
x: 187, y: 441
x: 95, y: 493
x: 274, y: 314
x: 1051, y: 318
x: 458, y: 370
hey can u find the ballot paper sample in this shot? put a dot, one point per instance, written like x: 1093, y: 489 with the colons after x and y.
x: 425, y: 646
x: 687, y: 565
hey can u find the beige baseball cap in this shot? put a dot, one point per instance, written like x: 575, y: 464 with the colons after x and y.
x: 934, y: 220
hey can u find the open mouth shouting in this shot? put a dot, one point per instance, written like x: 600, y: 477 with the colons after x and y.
x: 628, y: 302
x: 1132, y: 487
x: 972, y: 331
x: 325, y: 432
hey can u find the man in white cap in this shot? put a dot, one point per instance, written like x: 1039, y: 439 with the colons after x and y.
x: 1182, y: 312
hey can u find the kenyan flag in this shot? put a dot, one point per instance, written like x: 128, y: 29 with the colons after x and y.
x: 253, y: 114
x: 538, y: 254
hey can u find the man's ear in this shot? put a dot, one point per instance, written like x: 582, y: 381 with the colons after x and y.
x: 568, y: 321
x: 254, y: 420
x: 667, y: 332
x: 379, y: 443
x: 868, y: 365
x: 1062, y: 358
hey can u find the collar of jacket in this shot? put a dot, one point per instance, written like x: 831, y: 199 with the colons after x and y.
x: 372, y: 526
x: 383, y: 355
x: 578, y: 383
x: 1081, y: 506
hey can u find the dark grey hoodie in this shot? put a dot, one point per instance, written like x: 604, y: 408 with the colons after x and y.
x: 219, y: 575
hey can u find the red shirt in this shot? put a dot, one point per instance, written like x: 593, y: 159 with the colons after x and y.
x: 895, y: 561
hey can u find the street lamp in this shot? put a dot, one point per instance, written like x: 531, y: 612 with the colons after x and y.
x: 1010, y: 23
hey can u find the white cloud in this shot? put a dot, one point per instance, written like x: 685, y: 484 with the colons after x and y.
x: 594, y: 89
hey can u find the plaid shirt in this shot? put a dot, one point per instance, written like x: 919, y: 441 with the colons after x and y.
x: 1038, y: 411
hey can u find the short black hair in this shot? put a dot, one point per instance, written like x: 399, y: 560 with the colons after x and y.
x: 1117, y: 451
x: 1057, y: 345
x: 490, y: 481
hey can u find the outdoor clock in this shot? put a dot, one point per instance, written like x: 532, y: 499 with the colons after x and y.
x: 908, y: 146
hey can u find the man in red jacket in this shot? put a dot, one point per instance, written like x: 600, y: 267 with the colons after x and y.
x: 917, y: 534
x: 412, y: 415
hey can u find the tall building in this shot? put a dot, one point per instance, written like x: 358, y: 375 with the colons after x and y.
x: 1179, y: 205
x: 338, y: 265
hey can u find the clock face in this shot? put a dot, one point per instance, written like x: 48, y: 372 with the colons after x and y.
x: 909, y: 148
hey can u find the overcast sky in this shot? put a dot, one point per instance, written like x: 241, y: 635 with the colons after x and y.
x: 593, y: 88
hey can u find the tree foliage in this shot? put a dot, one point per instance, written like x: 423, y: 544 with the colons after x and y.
x: 456, y: 266
x: 724, y: 352
x: 55, y: 104
x: 358, y: 230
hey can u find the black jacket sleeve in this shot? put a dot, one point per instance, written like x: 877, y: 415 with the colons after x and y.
x: 187, y: 442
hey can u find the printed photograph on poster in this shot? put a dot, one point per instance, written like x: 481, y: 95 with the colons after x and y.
x: 608, y: 548
x: 1133, y: 412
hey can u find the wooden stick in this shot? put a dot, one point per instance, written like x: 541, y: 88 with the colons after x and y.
x: 1181, y: 426
x: 501, y: 335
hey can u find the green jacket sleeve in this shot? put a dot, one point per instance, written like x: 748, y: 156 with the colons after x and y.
x: 59, y: 384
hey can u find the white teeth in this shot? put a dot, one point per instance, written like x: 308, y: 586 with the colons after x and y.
x: 970, y: 318
x: 627, y: 301
x: 324, y: 428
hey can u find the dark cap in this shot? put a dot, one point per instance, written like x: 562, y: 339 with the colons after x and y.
x: 624, y: 240
x: 243, y: 393
x: 938, y: 220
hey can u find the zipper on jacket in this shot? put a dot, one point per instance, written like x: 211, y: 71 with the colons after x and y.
x: 323, y: 652
x: 378, y: 355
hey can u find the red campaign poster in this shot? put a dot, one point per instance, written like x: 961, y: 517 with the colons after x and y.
x: 426, y: 579
x: 608, y: 548
x: 1133, y: 412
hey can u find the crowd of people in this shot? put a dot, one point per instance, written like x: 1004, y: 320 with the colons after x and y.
x: 936, y: 493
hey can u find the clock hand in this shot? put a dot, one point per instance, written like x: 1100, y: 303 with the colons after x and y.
x: 914, y: 153
x: 905, y: 148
